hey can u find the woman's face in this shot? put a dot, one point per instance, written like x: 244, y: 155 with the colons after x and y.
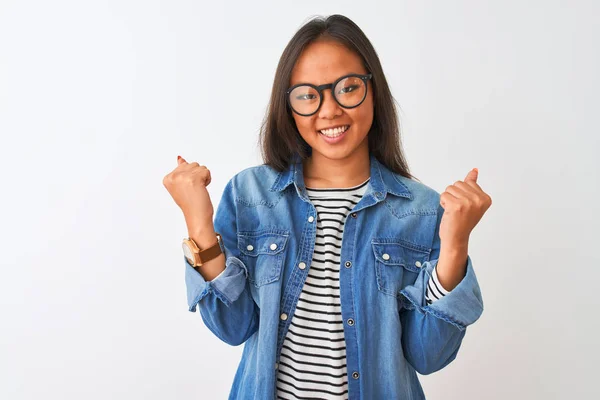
x: 323, y: 62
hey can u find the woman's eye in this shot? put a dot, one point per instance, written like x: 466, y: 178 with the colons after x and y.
x: 306, y: 97
x: 347, y: 89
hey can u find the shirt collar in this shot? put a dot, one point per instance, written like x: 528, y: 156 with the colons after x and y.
x: 382, y: 180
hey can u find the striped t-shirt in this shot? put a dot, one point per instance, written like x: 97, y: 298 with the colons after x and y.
x: 313, y: 356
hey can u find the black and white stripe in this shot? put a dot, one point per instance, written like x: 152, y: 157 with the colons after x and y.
x: 435, y: 290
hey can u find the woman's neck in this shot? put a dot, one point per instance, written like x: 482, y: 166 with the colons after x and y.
x: 322, y: 172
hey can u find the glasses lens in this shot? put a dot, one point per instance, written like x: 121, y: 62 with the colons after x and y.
x: 350, y: 91
x: 304, y: 99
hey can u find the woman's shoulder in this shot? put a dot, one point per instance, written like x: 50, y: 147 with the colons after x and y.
x: 420, y: 193
x: 255, y: 174
x: 253, y: 185
x: 406, y: 187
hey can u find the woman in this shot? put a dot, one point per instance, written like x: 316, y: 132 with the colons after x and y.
x: 342, y: 274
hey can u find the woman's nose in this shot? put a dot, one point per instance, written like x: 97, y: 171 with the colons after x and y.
x: 329, y: 107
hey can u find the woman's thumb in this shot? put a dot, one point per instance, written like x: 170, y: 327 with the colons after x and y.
x: 180, y: 160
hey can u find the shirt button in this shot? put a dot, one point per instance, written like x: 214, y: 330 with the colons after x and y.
x: 418, y: 264
x: 273, y: 246
x: 385, y: 256
x: 250, y: 247
x: 378, y: 194
x: 353, y: 215
x: 276, y: 365
x: 302, y: 265
x: 311, y: 218
x: 283, y: 316
x: 348, y: 264
x: 355, y: 375
x: 350, y: 321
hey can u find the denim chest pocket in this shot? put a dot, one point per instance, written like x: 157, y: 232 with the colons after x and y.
x: 263, y: 253
x: 397, y: 263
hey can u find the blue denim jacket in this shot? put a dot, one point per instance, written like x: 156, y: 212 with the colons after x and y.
x: 390, y: 331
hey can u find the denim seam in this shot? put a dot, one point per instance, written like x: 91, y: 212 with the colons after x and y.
x: 200, y: 297
x: 402, y: 242
x: 220, y: 295
x: 433, y: 312
x: 353, y: 305
x: 408, y: 193
x: 409, y: 212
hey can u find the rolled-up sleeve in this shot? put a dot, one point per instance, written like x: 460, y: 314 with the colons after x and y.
x: 226, y: 304
x: 461, y: 306
x: 433, y: 333
x: 228, y: 287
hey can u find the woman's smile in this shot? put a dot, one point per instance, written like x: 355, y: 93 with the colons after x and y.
x: 334, y: 135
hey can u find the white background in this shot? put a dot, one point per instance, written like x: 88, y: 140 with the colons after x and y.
x: 98, y: 98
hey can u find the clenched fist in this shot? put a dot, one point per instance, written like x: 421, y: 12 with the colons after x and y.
x: 464, y: 204
x: 187, y: 185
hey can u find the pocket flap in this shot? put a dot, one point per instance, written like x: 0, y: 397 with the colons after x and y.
x: 402, y: 253
x: 255, y: 243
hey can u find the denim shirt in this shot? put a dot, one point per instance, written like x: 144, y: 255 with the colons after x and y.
x: 268, y: 227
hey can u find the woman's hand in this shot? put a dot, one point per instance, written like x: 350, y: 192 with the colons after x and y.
x: 464, y: 204
x: 187, y: 185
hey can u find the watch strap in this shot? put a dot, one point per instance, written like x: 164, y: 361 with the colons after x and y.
x: 210, y: 252
x: 205, y: 255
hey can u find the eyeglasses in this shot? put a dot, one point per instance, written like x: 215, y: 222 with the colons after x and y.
x: 349, y: 91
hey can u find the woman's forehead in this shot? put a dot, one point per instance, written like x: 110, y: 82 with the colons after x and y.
x: 325, y: 61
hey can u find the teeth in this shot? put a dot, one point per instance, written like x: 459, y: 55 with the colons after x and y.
x: 335, y: 131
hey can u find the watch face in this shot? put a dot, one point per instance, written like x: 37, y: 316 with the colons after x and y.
x: 187, y: 252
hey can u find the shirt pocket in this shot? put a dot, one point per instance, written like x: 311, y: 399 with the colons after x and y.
x: 397, y: 263
x: 263, y: 253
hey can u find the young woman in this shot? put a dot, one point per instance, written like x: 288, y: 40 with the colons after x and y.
x: 341, y: 273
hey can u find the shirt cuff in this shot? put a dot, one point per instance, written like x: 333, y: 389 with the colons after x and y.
x: 228, y: 288
x: 462, y: 306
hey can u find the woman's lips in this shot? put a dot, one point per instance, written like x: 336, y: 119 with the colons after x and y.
x: 334, y: 140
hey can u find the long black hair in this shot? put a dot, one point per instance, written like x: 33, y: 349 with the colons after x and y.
x: 279, y: 137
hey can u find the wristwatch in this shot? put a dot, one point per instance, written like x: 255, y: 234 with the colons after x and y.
x: 197, y: 257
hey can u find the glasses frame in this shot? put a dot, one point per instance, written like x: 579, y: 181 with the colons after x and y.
x: 331, y: 86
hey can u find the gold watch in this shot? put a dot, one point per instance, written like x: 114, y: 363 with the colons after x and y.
x: 197, y: 257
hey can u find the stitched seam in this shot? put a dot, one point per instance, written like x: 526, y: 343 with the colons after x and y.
x: 409, y: 212
x: 433, y: 312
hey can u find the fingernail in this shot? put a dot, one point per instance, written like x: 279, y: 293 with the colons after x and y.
x: 178, y: 157
x: 476, y: 170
